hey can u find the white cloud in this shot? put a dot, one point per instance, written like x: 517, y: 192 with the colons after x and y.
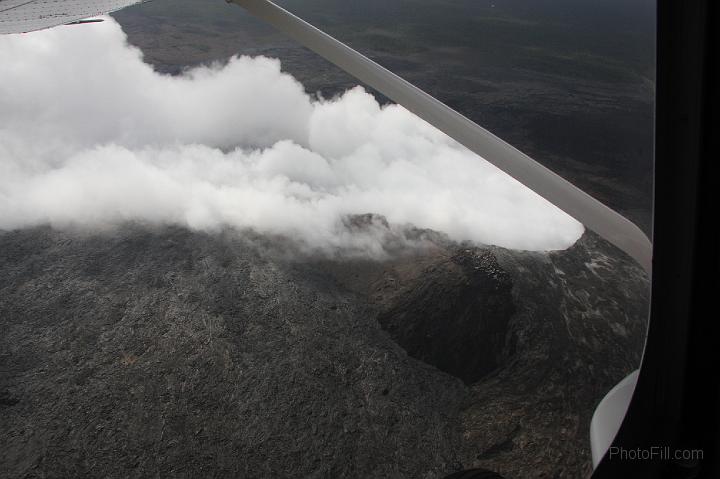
x: 92, y: 136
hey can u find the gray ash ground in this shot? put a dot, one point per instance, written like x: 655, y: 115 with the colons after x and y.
x: 163, y: 352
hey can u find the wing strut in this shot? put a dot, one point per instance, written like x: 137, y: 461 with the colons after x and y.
x: 609, y: 224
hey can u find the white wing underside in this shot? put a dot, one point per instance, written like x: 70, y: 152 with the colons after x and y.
x: 22, y: 16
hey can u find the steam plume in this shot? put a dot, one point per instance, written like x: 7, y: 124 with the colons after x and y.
x: 92, y: 136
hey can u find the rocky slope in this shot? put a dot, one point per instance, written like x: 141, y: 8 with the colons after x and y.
x: 163, y: 352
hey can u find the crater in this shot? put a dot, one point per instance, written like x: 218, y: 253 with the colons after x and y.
x: 454, y: 315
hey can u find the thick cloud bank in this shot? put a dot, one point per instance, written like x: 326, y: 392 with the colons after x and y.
x: 92, y: 136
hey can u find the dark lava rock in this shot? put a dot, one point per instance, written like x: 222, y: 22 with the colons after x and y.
x: 177, y: 354
x: 455, y: 315
x: 557, y: 330
x: 164, y: 352
x: 578, y: 329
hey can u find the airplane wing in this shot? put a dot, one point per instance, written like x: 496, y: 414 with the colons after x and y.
x: 22, y: 16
